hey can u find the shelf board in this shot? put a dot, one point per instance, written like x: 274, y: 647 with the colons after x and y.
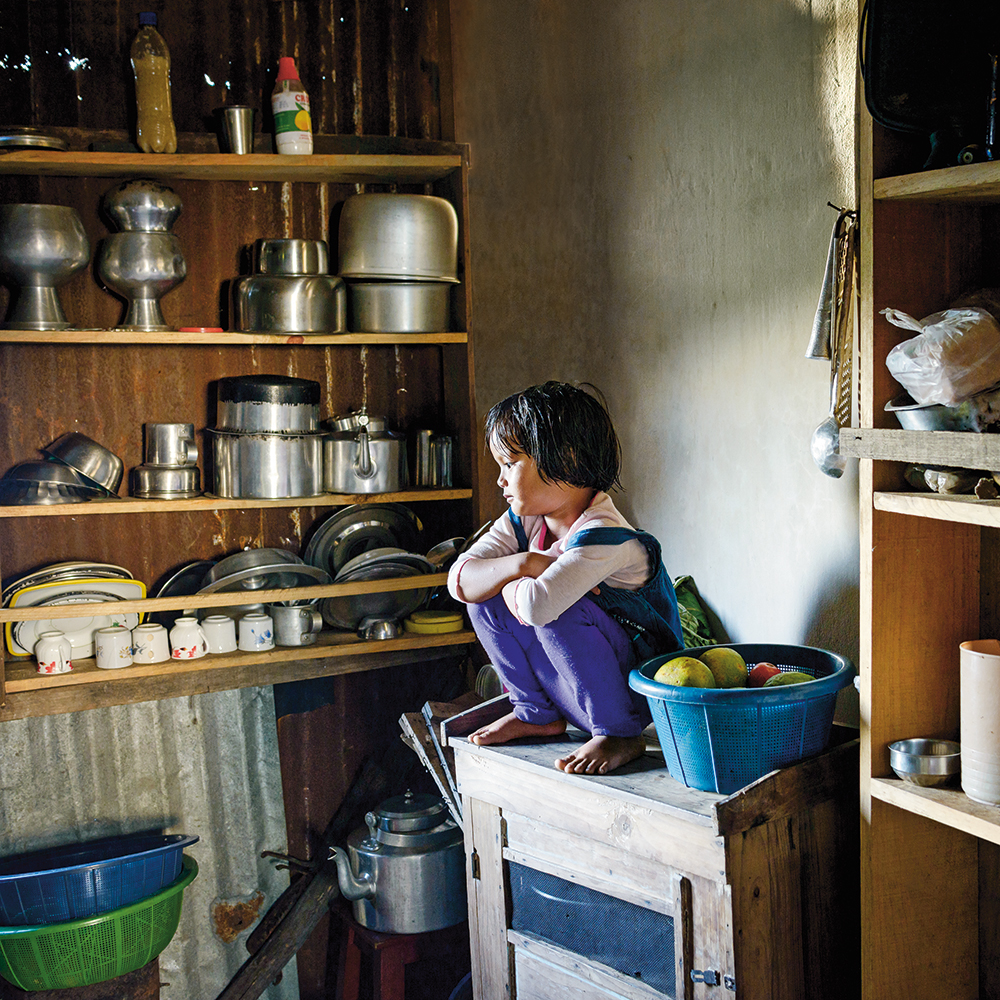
x: 29, y: 694
x: 958, y: 449
x: 179, y: 338
x: 334, y: 168
x: 965, y: 509
x: 135, y: 505
x: 972, y: 182
x: 949, y: 806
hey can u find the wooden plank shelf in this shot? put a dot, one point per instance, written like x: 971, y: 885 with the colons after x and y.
x: 227, y: 338
x: 970, y: 183
x: 208, y: 502
x: 29, y: 694
x: 949, y: 806
x: 965, y: 509
x: 250, y: 167
x: 958, y: 449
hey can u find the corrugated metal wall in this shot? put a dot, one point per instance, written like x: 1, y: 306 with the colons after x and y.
x: 206, y: 766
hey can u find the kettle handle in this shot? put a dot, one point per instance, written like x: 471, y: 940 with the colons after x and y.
x: 364, y: 467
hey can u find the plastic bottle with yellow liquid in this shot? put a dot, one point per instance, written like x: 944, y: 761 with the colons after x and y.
x: 290, y: 105
x: 155, y: 131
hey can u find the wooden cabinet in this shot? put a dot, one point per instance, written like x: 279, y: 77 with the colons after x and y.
x: 929, y: 578
x: 107, y: 383
x: 633, y: 886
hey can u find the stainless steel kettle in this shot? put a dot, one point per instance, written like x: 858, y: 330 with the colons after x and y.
x: 361, y: 455
x: 406, y: 872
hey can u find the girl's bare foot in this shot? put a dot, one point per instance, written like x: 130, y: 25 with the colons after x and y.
x: 601, y: 754
x: 510, y: 727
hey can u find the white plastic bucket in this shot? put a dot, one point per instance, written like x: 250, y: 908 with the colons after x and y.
x: 980, y: 719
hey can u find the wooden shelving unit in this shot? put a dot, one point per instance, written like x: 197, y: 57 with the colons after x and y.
x: 929, y: 581
x: 99, y: 356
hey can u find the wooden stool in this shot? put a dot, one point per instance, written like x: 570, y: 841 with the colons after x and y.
x: 389, y: 955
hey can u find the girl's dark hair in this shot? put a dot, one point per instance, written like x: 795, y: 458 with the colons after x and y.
x: 567, y: 431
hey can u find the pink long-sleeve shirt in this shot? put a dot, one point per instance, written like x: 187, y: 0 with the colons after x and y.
x: 574, y: 573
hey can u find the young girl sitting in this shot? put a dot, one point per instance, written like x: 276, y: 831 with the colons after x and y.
x: 565, y: 596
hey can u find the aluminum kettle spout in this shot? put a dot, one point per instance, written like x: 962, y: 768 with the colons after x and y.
x: 351, y: 886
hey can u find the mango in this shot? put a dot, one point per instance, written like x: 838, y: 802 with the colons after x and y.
x: 685, y: 671
x: 728, y: 668
x: 792, y: 677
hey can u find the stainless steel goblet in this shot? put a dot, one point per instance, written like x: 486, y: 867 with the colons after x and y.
x: 41, y: 248
x: 141, y: 268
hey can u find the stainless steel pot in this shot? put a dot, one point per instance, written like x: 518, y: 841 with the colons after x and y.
x: 289, y: 257
x: 412, y: 236
x: 266, y: 466
x: 161, y: 482
x: 267, y: 404
x: 399, y: 306
x: 284, y: 303
x: 360, y: 459
x: 405, y: 873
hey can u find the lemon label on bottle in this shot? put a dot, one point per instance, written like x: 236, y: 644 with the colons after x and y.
x: 291, y: 112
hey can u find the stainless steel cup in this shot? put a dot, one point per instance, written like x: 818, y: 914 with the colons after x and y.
x: 423, y: 466
x: 237, y: 129
x: 170, y: 444
x: 441, y: 461
x: 295, y: 624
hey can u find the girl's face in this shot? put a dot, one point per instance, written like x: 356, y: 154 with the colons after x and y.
x: 523, y: 488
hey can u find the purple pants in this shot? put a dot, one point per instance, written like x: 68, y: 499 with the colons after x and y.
x: 575, y: 668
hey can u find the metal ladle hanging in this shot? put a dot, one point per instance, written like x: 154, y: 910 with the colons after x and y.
x: 825, y: 443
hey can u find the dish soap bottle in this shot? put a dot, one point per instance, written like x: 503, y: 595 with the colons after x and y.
x: 155, y: 132
x: 290, y: 104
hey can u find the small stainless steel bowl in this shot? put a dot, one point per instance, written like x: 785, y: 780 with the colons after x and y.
x: 977, y: 413
x: 156, y: 482
x: 379, y: 628
x: 95, y: 463
x: 926, y: 762
x: 292, y: 257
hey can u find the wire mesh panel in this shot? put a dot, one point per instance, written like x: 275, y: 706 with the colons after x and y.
x: 631, y: 939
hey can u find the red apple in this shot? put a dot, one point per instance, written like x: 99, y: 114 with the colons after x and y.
x: 761, y: 673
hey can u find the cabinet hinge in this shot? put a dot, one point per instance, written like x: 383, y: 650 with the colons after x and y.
x: 706, y: 976
x: 729, y: 982
x: 475, y: 864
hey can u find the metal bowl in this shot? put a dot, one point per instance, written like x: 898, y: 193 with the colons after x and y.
x: 290, y: 303
x: 978, y: 413
x: 291, y: 257
x: 403, y: 236
x: 926, y: 762
x: 96, y: 464
x: 142, y: 206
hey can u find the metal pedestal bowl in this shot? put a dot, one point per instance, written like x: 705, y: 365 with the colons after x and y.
x: 41, y: 248
x: 141, y: 268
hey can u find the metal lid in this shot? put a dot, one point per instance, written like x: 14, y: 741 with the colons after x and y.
x: 409, y: 812
x: 24, y: 138
x: 268, y: 389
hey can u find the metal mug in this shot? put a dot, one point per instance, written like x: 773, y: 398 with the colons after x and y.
x: 171, y: 445
x: 295, y: 624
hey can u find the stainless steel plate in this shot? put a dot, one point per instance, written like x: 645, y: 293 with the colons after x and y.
x: 31, y: 138
x: 359, y: 528
x: 347, y: 612
x: 279, y: 576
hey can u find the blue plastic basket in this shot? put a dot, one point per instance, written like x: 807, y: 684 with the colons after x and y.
x: 721, y: 739
x: 83, y: 880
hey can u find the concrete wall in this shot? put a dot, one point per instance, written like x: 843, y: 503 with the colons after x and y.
x: 649, y: 195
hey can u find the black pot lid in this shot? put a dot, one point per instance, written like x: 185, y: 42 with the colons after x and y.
x: 268, y: 389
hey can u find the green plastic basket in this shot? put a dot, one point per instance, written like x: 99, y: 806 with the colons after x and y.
x: 95, y: 949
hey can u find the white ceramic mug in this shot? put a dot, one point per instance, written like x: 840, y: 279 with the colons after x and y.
x: 187, y: 639
x: 54, y: 653
x: 220, y: 631
x: 114, y: 647
x: 149, y: 643
x: 256, y: 632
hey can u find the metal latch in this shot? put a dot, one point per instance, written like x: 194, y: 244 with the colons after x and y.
x: 729, y: 982
x: 474, y: 859
x: 708, y: 977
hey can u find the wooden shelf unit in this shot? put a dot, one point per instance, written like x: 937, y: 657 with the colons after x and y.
x: 296, y: 195
x: 930, y: 572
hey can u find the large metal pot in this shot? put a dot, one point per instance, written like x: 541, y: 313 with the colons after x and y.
x: 399, y: 306
x: 363, y: 456
x: 407, y: 236
x: 266, y: 466
x: 290, y: 303
x: 406, y: 872
x: 267, y: 404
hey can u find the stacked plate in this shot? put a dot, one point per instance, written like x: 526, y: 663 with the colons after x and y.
x: 68, y: 583
x: 86, y: 913
x: 359, y: 528
x: 349, y: 610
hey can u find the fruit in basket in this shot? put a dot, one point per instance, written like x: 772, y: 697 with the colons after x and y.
x: 728, y: 668
x: 685, y: 671
x: 792, y: 677
x: 762, y: 673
